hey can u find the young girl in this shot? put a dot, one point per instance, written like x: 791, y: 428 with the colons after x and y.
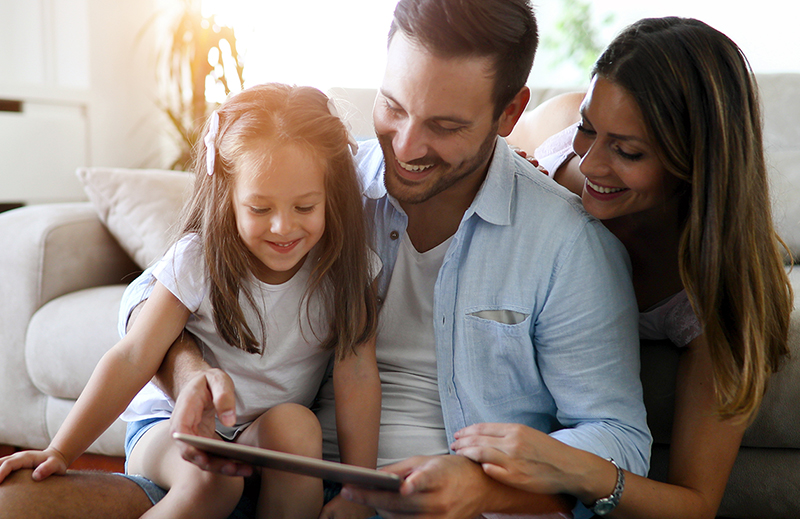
x: 668, y: 153
x: 271, y: 276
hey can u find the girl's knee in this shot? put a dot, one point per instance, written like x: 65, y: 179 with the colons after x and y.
x: 213, y: 495
x: 290, y: 428
x: 205, y: 485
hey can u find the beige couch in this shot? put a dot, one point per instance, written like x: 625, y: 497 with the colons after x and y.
x: 63, y: 268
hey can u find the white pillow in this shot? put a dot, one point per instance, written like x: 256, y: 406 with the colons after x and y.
x: 140, y: 207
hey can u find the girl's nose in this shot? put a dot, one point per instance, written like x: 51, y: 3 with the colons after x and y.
x: 281, y: 223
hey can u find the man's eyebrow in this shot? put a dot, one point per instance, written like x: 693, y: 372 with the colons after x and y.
x: 437, y: 118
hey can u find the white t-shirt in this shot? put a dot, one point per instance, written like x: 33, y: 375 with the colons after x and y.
x: 411, y: 412
x: 292, y: 365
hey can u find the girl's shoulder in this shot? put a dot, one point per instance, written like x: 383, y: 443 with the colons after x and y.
x: 182, y: 271
x: 188, y: 248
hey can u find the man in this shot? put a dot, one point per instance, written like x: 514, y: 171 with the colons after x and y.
x: 502, y: 301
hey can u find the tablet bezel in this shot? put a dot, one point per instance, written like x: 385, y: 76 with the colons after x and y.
x: 339, y: 472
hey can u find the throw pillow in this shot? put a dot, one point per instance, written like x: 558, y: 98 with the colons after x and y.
x: 140, y: 207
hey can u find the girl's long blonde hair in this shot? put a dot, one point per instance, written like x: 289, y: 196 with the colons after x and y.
x: 699, y: 99
x: 251, y: 123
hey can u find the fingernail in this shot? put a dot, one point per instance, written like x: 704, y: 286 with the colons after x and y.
x: 348, y: 494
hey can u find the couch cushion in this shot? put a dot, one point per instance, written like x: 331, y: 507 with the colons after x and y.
x: 784, y: 174
x: 140, y: 207
x: 774, y: 426
x: 67, y: 336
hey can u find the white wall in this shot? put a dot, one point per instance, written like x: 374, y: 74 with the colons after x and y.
x: 87, y: 90
x: 87, y: 77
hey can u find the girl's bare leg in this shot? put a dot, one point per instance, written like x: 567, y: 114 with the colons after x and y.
x: 294, y: 429
x: 192, y: 492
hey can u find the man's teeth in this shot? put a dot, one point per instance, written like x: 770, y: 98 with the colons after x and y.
x: 413, y: 168
x: 604, y: 190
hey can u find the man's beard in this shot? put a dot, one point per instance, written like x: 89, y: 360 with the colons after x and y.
x: 446, y: 175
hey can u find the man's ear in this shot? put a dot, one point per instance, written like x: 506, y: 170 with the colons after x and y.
x: 513, y: 111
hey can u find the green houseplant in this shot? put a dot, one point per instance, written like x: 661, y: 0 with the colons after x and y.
x: 198, y: 54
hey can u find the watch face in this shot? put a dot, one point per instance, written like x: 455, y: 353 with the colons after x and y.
x: 603, y: 507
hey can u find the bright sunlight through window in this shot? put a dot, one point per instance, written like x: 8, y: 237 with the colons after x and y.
x: 342, y: 43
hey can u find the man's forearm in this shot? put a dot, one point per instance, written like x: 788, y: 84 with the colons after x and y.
x: 182, y: 362
x: 509, y: 500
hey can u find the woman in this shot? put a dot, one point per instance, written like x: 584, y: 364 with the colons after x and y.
x: 668, y: 154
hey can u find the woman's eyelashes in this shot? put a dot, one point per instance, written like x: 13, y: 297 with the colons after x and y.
x: 630, y: 156
x: 585, y: 129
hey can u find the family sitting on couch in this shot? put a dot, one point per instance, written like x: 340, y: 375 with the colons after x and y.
x: 492, y: 346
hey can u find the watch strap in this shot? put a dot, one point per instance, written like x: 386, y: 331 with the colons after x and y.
x: 605, y: 505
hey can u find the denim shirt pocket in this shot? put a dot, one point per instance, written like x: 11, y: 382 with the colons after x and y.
x: 500, y: 356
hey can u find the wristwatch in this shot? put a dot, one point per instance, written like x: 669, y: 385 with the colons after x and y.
x: 605, y: 505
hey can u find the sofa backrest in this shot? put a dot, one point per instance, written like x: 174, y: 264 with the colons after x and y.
x: 780, y: 99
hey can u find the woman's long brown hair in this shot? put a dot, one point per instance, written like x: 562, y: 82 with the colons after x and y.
x: 699, y: 99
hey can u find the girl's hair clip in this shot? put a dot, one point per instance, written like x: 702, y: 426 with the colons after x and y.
x: 351, y: 141
x: 209, y: 140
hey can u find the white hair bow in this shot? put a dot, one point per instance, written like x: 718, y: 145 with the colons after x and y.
x: 351, y: 141
x: 210, y: 138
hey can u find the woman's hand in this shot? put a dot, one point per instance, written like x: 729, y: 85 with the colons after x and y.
x: 524, y: 154
x: 45, y: 463
x: 520, y: 456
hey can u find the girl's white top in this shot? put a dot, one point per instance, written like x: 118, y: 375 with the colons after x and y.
x: 292, y: 365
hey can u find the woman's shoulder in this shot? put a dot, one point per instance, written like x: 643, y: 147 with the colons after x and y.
x: 545, y: 120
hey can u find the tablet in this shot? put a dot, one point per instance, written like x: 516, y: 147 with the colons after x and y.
x: 360, y: 476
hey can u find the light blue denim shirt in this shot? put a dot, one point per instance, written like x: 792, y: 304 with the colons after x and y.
x: 534, y: 312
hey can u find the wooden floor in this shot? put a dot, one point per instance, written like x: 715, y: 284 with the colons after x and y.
x: 85, y: 462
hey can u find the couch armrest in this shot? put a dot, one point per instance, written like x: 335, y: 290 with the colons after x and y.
x: 57, y: 249
x: 45, y: 251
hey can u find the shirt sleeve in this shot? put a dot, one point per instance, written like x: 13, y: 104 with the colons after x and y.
x: 182, y: 272
x: 588, y: 346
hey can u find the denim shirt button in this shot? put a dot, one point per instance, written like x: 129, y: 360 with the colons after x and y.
x: 394, y: 235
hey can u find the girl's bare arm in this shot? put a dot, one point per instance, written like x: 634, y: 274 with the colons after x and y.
x: 119, y: 375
